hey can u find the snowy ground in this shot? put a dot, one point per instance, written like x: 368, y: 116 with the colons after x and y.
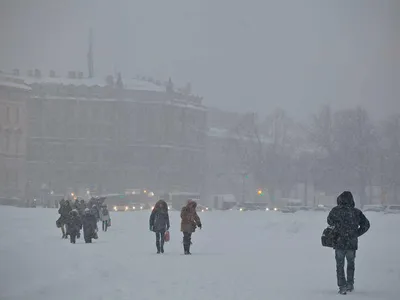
x: 249, y: 255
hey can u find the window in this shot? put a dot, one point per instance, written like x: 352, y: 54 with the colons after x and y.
x: 7, y: 142
x: 8, y: 114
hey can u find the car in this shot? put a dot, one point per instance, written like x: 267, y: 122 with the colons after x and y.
x: 288, y: 209
x: 121, y: 208
x: 202, y: 208
x: 304, y: 208
x: 393, y: 209
x: 373, y: 207
x: 321, y: 207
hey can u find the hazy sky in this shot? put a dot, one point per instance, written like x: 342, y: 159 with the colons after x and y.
x: 251, y: 55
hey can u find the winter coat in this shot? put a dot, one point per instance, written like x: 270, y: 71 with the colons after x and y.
x: 81, y: 208
x: 159, y: 218
x: 104, y: 214
x: 349, y: 223
x: 89, y: 223
x: 76, y: 204
x: 74, y: 223
x: 190, y: 219
x: 95, y: 212
x: 64, y: 211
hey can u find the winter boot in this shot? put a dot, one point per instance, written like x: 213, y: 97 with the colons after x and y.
x: 162, y: 247
x: 187, y: 249
x: 343, y: 290
x: 350, y: 287
x: 158, y: 247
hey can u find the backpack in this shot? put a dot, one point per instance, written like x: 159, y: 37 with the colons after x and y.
x: 328, y: 238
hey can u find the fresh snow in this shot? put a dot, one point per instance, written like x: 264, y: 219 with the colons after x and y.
x: 237, y: 255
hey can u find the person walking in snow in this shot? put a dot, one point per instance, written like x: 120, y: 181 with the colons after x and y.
x: 89, y: 223
x: 95, y: 211
x: 81, y: 207
x: 190, y: 220
x: 159, y: 223
x: 64, y: 210
x: 349, y: 223
x: 105, y: 217
x: 74, y: 225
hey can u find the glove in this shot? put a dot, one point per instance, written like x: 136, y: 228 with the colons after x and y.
x: 200, y: 226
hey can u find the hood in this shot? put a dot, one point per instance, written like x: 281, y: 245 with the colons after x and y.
x: 191, y: 204
x: 346, y: 199
x: 161, y: 205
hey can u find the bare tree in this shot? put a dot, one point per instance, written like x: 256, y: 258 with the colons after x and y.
x: 390, y: 157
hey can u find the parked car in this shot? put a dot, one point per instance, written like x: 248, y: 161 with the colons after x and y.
x: 392, y: 209
x: 288, y: 209
x: 304, y: 208
x: 246, y: 207
x: 373, y: 207
x: 321, y: 207
x: 202, y: 208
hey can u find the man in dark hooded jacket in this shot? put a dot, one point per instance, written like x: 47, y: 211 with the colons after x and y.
x: 89, y: 223
x: 349, y: 223
x: 74, y: 225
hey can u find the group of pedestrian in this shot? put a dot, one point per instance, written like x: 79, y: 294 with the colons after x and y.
x: 81, y: 215
x: 346, y: 225
x: 159, y: 223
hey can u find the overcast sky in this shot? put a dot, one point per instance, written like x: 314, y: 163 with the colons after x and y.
x: 252, y: 55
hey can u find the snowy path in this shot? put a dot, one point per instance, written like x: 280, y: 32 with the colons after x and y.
x: 252, y: 255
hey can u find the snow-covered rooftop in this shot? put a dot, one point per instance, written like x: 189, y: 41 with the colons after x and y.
x: 129, y: 84
x: 6, y: 81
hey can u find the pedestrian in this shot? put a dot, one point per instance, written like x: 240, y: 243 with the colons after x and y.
x: 89, y: 226
x: 349, y: 223
x: 105, y: 217
x: 81, y: 207
x: 74, y: 227
x: 190, y: 220
x: 159, y: 223
x: 64, y: 210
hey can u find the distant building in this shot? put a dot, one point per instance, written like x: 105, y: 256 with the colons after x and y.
x: 112, y: 135
x: 13, y: 131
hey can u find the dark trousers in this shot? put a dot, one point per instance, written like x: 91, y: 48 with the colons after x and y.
x: 187, y: 238
x: 160, y: 240
x: 340, y: 256
x: 160, y: 237
x: 105, y: 225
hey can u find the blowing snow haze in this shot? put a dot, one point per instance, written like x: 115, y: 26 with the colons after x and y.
x: 240, y: 55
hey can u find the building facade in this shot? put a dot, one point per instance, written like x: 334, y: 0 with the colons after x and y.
x: 13, y: 132
x: 110, y: 136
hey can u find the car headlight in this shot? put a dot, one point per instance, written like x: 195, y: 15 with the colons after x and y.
x: 126, y: 208
x: 133, y: 207
x: 115, y: 208
x: 152, y: 207
x: 241, y: 209
x: 202, y: 210
x: 206, y: 208
x: 141, y: 207
x: 267, y: 209
x: 275, y: 209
